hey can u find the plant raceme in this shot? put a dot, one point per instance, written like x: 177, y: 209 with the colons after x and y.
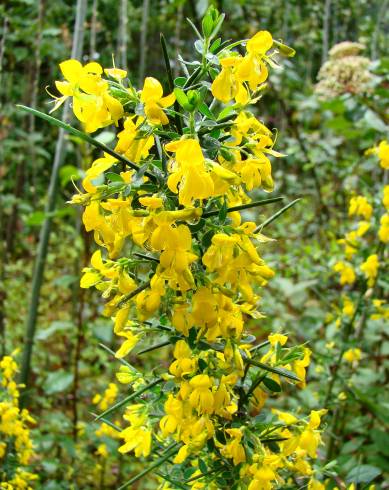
x: 177, y: 260
x: 16, y: 447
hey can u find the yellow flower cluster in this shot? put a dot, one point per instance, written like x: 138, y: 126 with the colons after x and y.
x: 182, y: 263
x: 239, y: 71
x: 15, y: 438
x: 353, y: 240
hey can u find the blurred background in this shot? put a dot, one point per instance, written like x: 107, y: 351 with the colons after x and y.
x: 326, y: 121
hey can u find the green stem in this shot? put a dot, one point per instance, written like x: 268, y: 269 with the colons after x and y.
x: 122, y: 361
x: 129, y: 398
x: 243, y: 206
x: 154, y: 347
x: 129, y: 296
x: 276, y: 215
x: 177, y: 117
x: 85, y: 137
x: 44, y: 236
x: 172, y: 450
x: 275, y: 370
x: 108, y: 422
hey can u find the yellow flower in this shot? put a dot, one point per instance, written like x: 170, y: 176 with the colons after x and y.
x: 185, y: 363
x: 277, y: 337
x: 98, y: 167
x: 128, y: 344
x: 201, y: 396
x: 151, y: 96
x: 383, y: 154
x: 347, y: 274
x: 352, y: 355
x: 92, y: 103
x: 370, y: 269
x: 359, y: 206
x: 181, y: 455
x: 116, y: 73
x: 130, y: 143
x: 234, y: 449
x: 315, y: 485
x: 102, y: 451
x: 385, y: 199
x: 188, y: 172
x: 348, y: 307
x: 252, y: 68
x: 109, y: 396
x: 174, y: 417
x: 383, y: 232
x: 225, y: 86
x: 152, y: 202
x: 137, y: 440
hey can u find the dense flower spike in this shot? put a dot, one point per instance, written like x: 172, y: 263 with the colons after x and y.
x: 16, y: 447
x: 181, y: 262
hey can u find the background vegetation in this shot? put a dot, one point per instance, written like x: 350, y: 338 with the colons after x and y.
x: 326, y: 142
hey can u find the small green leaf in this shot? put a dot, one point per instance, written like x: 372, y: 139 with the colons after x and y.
x: 363, y: 473
x: 57, y: 382
x: 271, y: 385
x: 284, y: 49
x: 182, y: 99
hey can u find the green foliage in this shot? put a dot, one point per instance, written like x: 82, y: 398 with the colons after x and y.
x: 325, y: 142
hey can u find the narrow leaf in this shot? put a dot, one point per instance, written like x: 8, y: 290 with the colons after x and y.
x: 172, y: 450
x: 129, y: 296
x: 275, y: 370
x: 254, y: 204
x: 154, y: 347
x: 128, y: 398
x: 85, y: 137
x: 276, y: 215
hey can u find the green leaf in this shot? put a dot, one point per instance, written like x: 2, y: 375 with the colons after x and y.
x: 54, y: 328
x: 36, y: 219
x: 374, y: 122
x: 57, y: 382
x: 182, y: 99
x: 204, y: 109
x: 114, y: 177
x: 168, y: 454
x: 276, y: 215
x: 284, y: 49
x: 180, y: 81
x: 84, y: 137
x: 68, y: 173
x: 272, y: 385
x: 105, y: 137
x: 129, y: 398
x: 363, y: 474
x: 207, y: 25
x: 280, y: 371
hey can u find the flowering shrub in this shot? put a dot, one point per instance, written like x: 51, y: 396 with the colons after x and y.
x: 177, y: 260
x: 16, y: 448
x: 356, y: 325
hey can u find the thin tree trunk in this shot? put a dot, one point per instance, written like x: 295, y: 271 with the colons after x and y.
x: 143, y: 41
x: 177, y: 38
x: 35, y: 84
x: 382, y: 12
x: 93, y: 31
x: 326, y: 30
x: 285, y: 21
x: 2, y: 217
x: 79, y: 315
x: 2, y: 45
x: 50, y: 206
x: 123, y: 36
x: 21, y: 170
